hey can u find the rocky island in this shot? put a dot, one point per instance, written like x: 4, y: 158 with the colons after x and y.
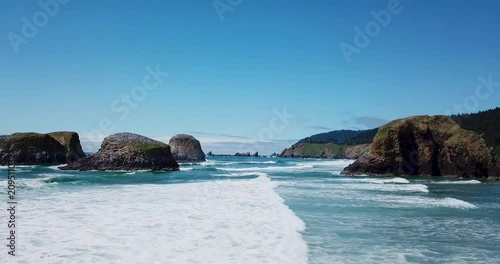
x: 428, y: 146
x: 41, y: 149
x: 71, y: 141
x: 127, y: 151
x: 186, y: 148
x: 247, y: 154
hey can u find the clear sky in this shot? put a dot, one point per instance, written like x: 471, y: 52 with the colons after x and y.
x: 231, y: 68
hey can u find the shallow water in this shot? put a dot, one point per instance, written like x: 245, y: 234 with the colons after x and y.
x: 251, y: 210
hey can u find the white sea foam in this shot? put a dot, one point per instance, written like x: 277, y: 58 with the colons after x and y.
x: 456, y: 203
x: 52, y: 175
x: 395, y: 180
x: 298, y: 167
x: 20, y: 166
x: 341, y: 163
x: 357, y: 195
x: 56, y: 167
x: 261, y: 162
x: 218, y: 163
x: 418, y: 201
x: 26, y: 184
x: 185, y: 169
x: 243, y: 221
x: 314, y: 165
x: 209, y: 163
x: 359, y: 186
x: 375, y: 180
x: 394, y: 187
x: 457, y: 182
x: 36, y: 183
x: 242, y: 174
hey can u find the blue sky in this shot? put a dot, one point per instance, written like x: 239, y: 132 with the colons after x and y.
x: 227, y: 78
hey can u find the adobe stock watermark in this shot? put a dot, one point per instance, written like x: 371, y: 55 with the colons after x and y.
x: 11, y: 205
x: 125, y: 103
x: 30, y: 27
x: 223, y: 6
x: 372, y: 29
x: 483, y: 91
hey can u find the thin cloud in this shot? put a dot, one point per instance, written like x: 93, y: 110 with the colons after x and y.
x: 370, y: 121
x: 320, y: 128
x: 215, y: 134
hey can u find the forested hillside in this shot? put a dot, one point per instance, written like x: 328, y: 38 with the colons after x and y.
x: 485, y: 123
x: 339, y: 144
x: 342, y: 137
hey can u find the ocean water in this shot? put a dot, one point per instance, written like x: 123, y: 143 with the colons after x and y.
x: 249, y: 210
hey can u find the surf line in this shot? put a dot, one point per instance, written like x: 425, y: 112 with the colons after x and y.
x: 11, y: 205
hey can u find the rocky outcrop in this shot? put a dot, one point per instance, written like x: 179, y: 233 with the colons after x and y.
x: 325, y: 151
x: 127, y: 151
x: 40, y: 149
x: 186, y: 148
x: 71, y: 141
x: 247, y: 154
x: 426, y: 145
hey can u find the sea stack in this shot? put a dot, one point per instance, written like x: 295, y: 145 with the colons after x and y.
x: 41, y: 149
x: 127, y: 151
x: 186, y: 148
x: 71, y: 141
x: 428, y: 146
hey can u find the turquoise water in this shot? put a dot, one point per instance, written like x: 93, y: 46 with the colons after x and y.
x: 251, y: 210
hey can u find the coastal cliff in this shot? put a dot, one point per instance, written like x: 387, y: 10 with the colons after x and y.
x: 426, y: 145
x: 186, y: 148
x: 338, y: 144
x: 127, y: 151
x: 71, y: 141
x: 41, y: 149
x: 326, y: 151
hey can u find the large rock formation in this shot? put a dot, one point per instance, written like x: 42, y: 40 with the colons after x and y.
x: 127, y: 151
x: 247, y: 154
x: 41, y: 149
x: 426, y: 145
x: 186, y: 148
x: 325, y: 151
x: 71, y: 141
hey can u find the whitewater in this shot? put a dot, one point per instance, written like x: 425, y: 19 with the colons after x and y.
x: 251, y: 210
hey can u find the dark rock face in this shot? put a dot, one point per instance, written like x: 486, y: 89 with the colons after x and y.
x: 186, y: 148
x: 127, y: 151
x: 426, y: 145
x: 325, y: 151
x: 247, y: 154
x: 40, y: 149
x: 210, y: 154
x: 71, y: 141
